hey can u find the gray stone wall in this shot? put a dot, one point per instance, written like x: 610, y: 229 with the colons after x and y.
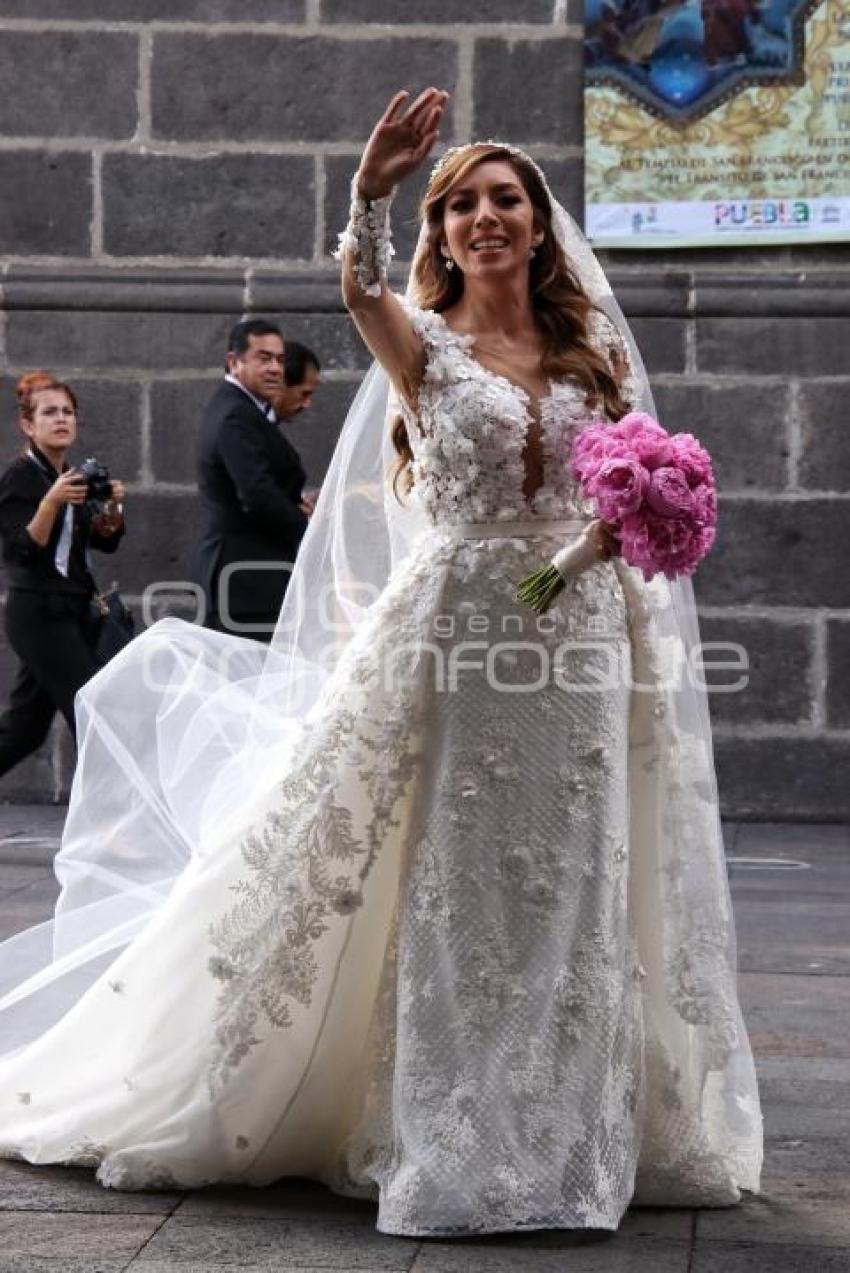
x: 167, y: 165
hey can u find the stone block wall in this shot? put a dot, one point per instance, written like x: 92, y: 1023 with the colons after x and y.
x: 168, y: 165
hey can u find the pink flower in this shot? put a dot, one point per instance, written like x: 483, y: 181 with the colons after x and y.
x: 669, y: 493
x: 672, y: 546
x: 657, y: 490
x: 593, y: 446
x: 638, y: 424
x: 692, y: 459
x: 618, y: 487
x: 705, y: 504
x: 705, y: 538
x: 645, y: 438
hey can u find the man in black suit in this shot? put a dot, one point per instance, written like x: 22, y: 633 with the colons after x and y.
x: 250, y: 482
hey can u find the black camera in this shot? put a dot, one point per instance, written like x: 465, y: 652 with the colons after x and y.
x: 98, y: 485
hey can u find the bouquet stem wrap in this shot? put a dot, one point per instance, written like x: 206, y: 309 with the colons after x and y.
x: 541, y: 587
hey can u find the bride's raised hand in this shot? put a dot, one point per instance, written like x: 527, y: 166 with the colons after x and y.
x: 400, y: 141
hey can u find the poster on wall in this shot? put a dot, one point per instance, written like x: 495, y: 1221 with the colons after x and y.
x: 717, y: 122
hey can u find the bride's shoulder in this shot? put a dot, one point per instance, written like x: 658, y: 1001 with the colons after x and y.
x: 431, y: 326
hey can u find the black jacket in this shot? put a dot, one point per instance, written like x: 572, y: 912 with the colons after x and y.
x: 250, y: 482
x: 29, y: 566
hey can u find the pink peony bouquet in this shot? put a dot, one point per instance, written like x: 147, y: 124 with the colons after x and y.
x: 655, y: 491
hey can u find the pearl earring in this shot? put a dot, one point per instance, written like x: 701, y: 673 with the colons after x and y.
x: 448, y: 260
x: 532, y: 253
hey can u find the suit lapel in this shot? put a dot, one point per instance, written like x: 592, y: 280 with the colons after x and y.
x: 277, y: 444
x: 247, y: 404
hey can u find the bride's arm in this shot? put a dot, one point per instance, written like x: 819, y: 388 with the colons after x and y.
x: 399, y: 143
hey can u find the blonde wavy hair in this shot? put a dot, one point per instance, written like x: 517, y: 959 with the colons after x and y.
x: 561, y: 307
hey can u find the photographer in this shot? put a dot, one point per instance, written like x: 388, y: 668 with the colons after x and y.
x: 50, y: 515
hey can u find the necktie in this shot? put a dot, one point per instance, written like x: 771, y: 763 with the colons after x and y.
x: 66, y: 535
x: 63, y: 548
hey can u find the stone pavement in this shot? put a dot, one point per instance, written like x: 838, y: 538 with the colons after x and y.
x: 791, y: 886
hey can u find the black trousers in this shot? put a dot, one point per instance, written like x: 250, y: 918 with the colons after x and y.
x: 53, y: 637
x: 268, y: 621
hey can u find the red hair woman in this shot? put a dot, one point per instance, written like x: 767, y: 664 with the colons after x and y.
x: 46, y: 528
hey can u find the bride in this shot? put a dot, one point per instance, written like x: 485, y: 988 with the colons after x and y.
x: 429, y: 902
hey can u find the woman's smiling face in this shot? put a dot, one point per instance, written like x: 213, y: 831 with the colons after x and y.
x: 488, y: 222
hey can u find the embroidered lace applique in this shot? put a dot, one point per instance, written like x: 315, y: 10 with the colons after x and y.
x: 308, y: 862
x: 367, y: 236
x: 469, y: 430
x: 87, y: 1153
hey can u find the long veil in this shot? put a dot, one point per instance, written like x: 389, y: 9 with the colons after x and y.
x: 186, y: 733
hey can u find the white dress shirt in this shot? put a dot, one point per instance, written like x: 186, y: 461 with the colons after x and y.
x: 266, y: 407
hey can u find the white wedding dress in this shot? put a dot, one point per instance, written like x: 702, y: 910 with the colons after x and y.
x: 458, y: 957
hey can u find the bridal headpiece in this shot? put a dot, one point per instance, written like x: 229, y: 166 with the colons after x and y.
x: 450, y: 154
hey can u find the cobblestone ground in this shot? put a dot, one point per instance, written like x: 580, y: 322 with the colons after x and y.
x: 791, y: 886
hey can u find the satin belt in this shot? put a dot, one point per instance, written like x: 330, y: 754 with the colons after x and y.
x: 538, y: 528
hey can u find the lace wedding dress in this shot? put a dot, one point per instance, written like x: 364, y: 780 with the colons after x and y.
x: 447, y: 962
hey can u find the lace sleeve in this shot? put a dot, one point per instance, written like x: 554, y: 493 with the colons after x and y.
x: 608, y: 341
x: 367, y: 236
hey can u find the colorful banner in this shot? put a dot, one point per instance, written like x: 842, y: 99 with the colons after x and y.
x: 717, y: 122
